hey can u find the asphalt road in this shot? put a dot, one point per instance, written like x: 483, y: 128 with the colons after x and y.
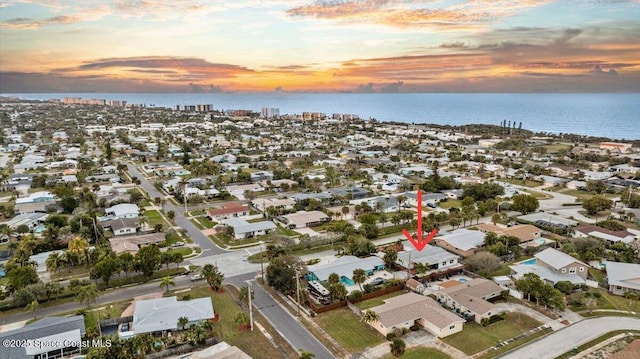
x: 109, y: 296
x: 208, y: 247
x: 287, y: 325
x: 561, y: 341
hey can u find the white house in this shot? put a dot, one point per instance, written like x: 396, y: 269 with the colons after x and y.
x: 123, y: 210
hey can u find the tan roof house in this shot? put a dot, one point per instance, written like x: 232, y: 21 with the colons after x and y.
x: 409, y: 309
x: 524, y: 232
x: 471, y: 298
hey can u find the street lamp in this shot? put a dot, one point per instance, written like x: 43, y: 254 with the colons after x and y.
x: 261, y: 260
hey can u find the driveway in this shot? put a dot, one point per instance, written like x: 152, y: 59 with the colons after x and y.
x: 563, y: 340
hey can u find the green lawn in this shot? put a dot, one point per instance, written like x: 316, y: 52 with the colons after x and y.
x: 72, y: 272
x: 373, y: 302
x: 253, y: 343
x: 185, y: 251
x: 421, y: 353
x: 556, y: 147
x: 475, y: 338
x: 519, y: 182
x: 450, y: 203
x: 206, y: 222
x: 604, y: 301
x: 347, y: 329
x: 597, y: 275
x: 538, y: 195
x: 144, y: 203
x: 154, y: 218
x: 285, y: 231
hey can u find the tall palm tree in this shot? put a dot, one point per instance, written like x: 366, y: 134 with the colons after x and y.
x: 54, y: 262
x: 77, y: 245
x: 243, y: 295
x: 370, y: 316
x: 87, y: 294
x: 166, y: 282
x: 397, y: 347
x: 359, y: 277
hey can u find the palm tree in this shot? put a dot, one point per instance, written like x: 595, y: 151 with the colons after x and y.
x: 397, y: 347
x: 87, y: 294
x: 78, y: 245
x: 54, y: 262
x: 401, y: 199
x: 143, y: 221
x: 359, y: 277
x: 32, y: 307
x: 370, y: 316
x: 166, y: 282
x: 213, y: 276
x: 345, y: 211
x: 182, y: 322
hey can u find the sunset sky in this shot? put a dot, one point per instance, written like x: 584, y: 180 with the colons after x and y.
x: 320, y: 46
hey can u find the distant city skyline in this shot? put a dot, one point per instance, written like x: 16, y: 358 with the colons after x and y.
x: 320, y: 46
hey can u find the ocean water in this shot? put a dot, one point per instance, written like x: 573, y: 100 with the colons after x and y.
x: 608, y: 115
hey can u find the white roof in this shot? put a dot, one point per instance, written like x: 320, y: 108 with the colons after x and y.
x: 464, y: 239
x: 625, y: 275
x: 429, y: 255
x: 556, y: 259
x: 52, y: 342
x: 241, y: 226
x: 344, y: 266
x: 545, y: 274
x: 123, y: 209
x: 163, y: 313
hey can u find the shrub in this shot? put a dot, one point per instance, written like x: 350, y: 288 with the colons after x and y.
x: 414, y: 328
x: 355, y: 295
x: 391, y: 336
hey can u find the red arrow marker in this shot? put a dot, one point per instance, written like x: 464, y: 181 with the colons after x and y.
x: 419, y: 242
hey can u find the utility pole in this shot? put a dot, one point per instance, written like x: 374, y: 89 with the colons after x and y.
x: 298, y: 289
x: 250, y: 306
x: 184, y: 197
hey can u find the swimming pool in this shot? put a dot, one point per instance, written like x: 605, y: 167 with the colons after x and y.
x: 463, y: 280
x: 530, y: 262
x: 540, y: 240
x: 39, y: 229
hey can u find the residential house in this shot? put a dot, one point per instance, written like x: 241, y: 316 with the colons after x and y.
x: 243, y: 229
x: 623, y: 277
x: 463, y: 242
x: 31, y: 220
x: 471, y: 298
x: 404, y: 311
x: 228, y: 210
x: 552, y: 266
x: 49, y: 337
x: 344, y: 267
x: 133, y: 243
x: 586, y: 230
x: 435, y: 257
x: 123, y: 210
x: 121, y: 226
x: 303, y: 219
x: 261, y: 204
x: 161, y: 314
x: 37, y: 197
x: 524, y: 232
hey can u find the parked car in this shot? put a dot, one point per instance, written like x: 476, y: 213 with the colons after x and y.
x: 197, y: 276
x: 378, y: 281
x: 177, y: 244
x: 124, y: 327
x: 431, y: 205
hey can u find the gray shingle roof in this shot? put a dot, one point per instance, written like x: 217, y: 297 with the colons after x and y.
x: 556, y: 259
x: 45, y: 327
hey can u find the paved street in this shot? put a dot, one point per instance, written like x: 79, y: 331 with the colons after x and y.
x: 572, y: 336
x: 113, y: 295
x: 208, y: 247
